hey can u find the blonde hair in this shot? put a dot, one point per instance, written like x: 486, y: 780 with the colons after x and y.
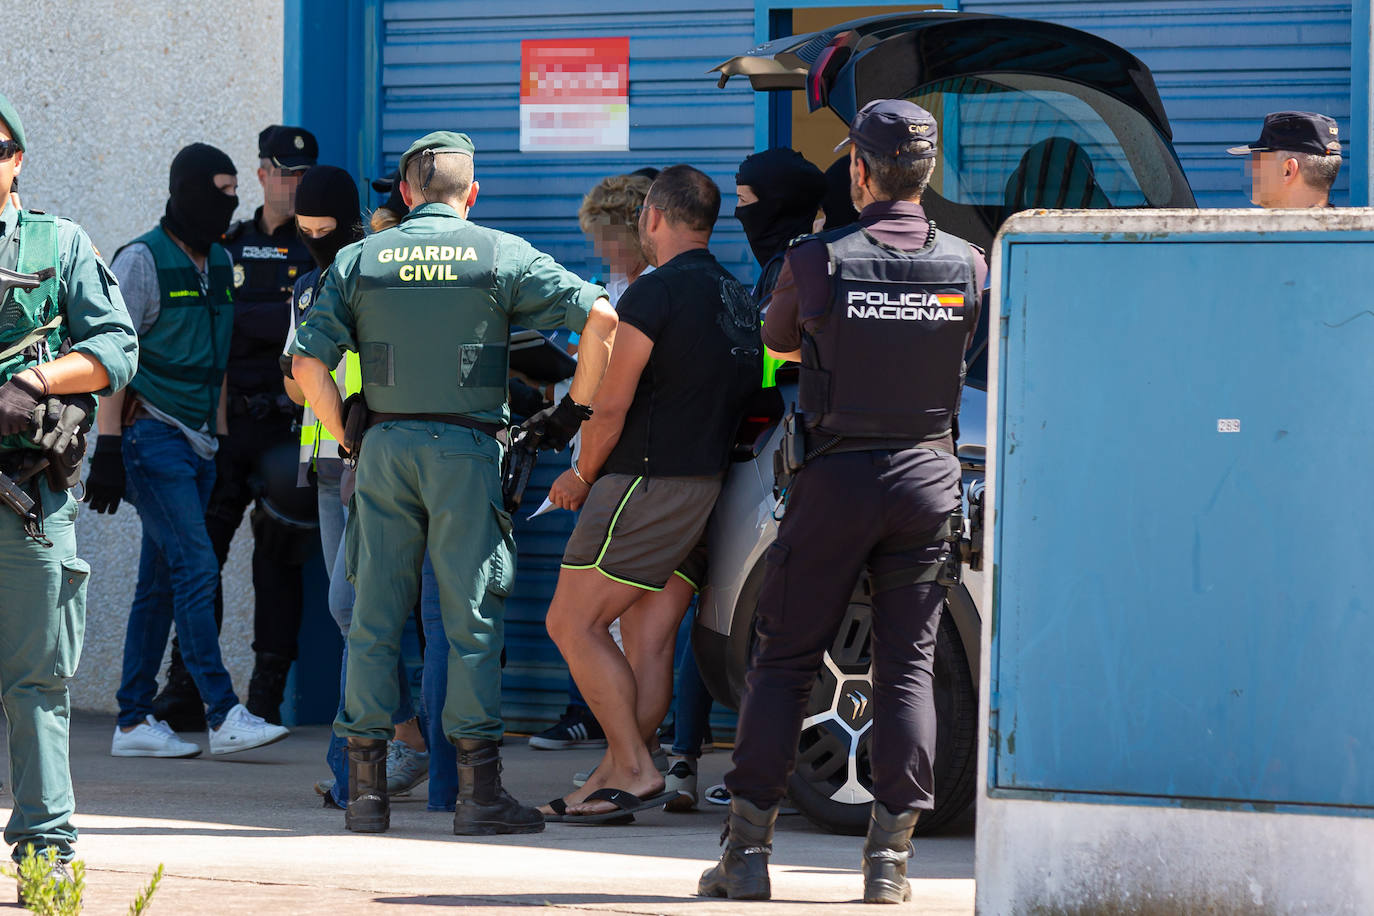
x: 613, y: 202
x: 382, y: 218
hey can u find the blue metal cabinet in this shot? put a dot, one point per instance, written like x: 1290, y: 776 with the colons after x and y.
x: 1183, y: 509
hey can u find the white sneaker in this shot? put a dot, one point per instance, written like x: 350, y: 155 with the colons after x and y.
x: 243, y: 731
x: 151, y: 738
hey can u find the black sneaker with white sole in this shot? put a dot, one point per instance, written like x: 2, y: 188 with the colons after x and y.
x: 577, y: 728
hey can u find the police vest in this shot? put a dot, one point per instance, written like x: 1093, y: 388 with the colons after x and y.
x: 431, y: 335
x: 316, y: 440
x: 887, y: 360
x: 181, y: 358
x: 32, y: 324
x: 265, y: 270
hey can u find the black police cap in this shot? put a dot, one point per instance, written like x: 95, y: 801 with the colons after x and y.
x: 292, y: 148
x: 1295, y: 132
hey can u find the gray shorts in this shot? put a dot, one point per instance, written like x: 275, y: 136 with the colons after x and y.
x: 642, y: 530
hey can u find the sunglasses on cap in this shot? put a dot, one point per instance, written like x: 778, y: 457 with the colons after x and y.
x: 7, y: 149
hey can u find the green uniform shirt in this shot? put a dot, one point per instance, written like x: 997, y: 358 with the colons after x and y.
x: 97, y: 321
x: 532, y: 289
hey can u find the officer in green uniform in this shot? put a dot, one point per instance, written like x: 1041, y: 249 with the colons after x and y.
x: 428, y: 305
x: 43, y: 602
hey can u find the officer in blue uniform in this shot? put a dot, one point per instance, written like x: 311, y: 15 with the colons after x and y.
x: 256, y: 464
x: 878, y: 314
x: 65, y: 333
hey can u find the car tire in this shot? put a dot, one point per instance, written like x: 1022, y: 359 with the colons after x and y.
x: 826, y: 787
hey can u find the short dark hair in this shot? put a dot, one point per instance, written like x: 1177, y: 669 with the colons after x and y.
x: 450, y: 182
x: 687, y: 196
x: 899, y: 177
x: 1318, y: 171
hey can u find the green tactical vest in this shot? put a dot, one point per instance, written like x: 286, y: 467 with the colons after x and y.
x: 181, y: 358
x: 431, y: 336
x: 31, y: 317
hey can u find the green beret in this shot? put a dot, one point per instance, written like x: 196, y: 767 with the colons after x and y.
x: 11, y: 119
x: 440, y: 141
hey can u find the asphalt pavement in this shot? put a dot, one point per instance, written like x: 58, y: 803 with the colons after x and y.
x: 246, y: 834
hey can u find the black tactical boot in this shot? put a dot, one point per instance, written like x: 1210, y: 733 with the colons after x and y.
x: 885, y: 854
x: 369, y: 809
x: 268, y: 685
x: 742, y: 872
x: 483, y: 807
x: 179, y: 703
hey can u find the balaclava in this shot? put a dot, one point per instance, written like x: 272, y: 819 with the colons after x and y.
x: 329, y: 191
x: 837, y: 203
x: 198, y: 213
x: 789, y: 191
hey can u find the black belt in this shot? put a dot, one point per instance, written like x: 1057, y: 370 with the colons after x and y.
x: 496, y: 430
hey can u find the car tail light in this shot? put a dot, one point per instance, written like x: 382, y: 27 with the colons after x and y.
x: 822, y: 73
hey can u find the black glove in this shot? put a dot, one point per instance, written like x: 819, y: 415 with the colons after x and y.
x: 553, y: 427
x: 61, y: 419
x: 18, y: 403
x: 105, y: 484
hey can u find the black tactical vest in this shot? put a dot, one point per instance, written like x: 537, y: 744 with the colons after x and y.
x: 265, y: 272
x: 887, y: 361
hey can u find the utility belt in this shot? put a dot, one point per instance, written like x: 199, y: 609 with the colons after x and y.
x: 800, y: 445
x: 358, y: 419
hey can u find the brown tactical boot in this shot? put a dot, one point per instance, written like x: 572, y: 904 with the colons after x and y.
x: 742, y: 872
x: 886, y: 852
x: 483, y: 807
x: 369, y: 808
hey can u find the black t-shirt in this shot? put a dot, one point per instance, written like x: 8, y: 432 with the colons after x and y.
x: 707, y: 356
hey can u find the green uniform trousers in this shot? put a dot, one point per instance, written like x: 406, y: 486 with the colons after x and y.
x: 42, y: 622
x: 425, y: 485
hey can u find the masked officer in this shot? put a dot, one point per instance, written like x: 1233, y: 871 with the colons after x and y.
x: 73, y: 305
x: 427, y: 304
x: 257, y: 462
x: 1295, y: 161
x: 881, y: 344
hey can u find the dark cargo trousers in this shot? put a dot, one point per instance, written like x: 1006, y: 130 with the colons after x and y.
x: 432, y: 485
x: 42, y: 622
x: 849, y: 512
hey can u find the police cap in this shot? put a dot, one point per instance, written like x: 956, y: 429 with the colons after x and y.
x: 1295, y: 132
x: 290, y: 148
x: 882, y: 126
x: 11, y: 119
x: 441, y: 141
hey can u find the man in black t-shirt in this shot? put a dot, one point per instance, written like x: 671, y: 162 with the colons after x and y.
x: 652, y: 461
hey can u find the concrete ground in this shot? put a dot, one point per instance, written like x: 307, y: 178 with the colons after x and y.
x: 246, y: 834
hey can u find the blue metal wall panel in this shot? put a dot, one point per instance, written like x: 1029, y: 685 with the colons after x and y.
x: 1182, y: 612
x: 456, y: 64
x: 1221, y: 65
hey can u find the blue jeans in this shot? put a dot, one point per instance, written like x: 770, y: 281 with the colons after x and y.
x: 692, y: 712
x: 337, y: 754
x: 169, y: 485
x: 443, y: 756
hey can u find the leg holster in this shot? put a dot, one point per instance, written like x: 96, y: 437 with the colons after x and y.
x: 944, y: 569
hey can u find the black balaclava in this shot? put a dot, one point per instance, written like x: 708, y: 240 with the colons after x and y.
x: 329, y: 191
x: 198, y: 213
x: 837, y: 203
x: 789, y: 191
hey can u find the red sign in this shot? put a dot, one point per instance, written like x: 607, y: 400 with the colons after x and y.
x: 575, y: 95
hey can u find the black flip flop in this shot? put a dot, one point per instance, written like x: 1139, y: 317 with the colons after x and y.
x: 560, y: 810
x: 626, y: 804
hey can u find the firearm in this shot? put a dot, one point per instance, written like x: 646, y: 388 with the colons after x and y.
x: 15, y: 497
x: 10, y: 279
x: 520, y: 461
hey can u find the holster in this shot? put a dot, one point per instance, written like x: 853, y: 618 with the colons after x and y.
x: 791, y: 454
x: 356, y: 419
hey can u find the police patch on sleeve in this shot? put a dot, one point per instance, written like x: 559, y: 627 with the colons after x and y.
x: 239, y: 275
